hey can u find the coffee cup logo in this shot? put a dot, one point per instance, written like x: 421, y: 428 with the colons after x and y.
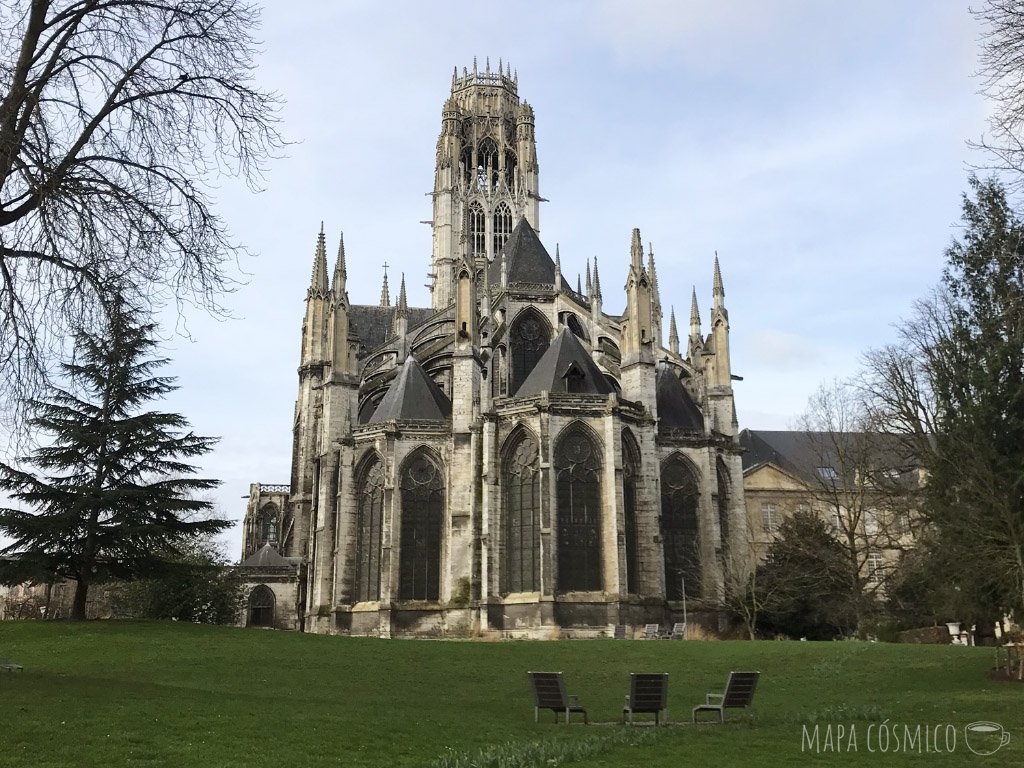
x: 985, y: 738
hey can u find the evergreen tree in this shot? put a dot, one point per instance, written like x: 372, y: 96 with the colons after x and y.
x: 805, y: 583
x: 113, y: 495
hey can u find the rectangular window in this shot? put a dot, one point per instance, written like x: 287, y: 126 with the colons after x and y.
x: 876, y: 566
x: 827, y: 473
x: 769, y: 516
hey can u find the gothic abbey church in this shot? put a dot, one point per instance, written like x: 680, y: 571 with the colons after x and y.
x: 512, y: 459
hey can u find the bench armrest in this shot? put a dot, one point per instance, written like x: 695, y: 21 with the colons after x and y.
x: 573, y: 700
x: 710, y: 696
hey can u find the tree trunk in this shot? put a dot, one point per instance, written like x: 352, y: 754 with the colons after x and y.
x: 78, y: 606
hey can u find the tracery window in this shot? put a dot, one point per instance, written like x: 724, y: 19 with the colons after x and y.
x: 477, y: 230
x: 487, y: 164
x: 680, y: 535
x: 422, y: 488
x: 502, y: 226
x: 578, y: 473
x: 268, y: 524
x: 630, y: 470
x: 510, y: 168
x: 369, y: 524
x: 261, y: 607
x: 521, y: 481
x: 530, y: 338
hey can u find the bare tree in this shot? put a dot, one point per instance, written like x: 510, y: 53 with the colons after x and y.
x: 863, y: 481
x: 115, y: 118
x: 1001, y: 69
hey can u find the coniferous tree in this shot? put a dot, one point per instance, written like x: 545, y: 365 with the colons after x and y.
x: 112, y: 494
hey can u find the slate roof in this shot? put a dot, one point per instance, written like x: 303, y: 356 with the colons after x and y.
x: 372, y: 323
x: 802, y: 454
x: 526, y: 259
x: 564, y: 359
x: 676, y: 408
x: 267, y: 557
x: 413, y: 395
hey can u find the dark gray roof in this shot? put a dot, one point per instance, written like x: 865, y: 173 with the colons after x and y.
x: 266, y: 557
x: 807, y: 454
x: 372, y: 323
x: 565, y: 359
x: 526, y: 259
x: 413, y: 395
x: 676, y: 409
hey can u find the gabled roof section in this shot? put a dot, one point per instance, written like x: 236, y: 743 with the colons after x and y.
x: 526, y: 259
x: 412, y: 396
x: 266, y: 557
x: 565, y: 367
x: 676, y: 408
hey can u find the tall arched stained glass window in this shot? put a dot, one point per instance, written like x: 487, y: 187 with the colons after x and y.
x: 422, y: 487
x: 630, y: 470
x: 268, y: 524
x: 521, y: 481
x: 679, y: 499
x: 578, y: 473
x: 502, y: 226
x: 369, y: 523
x: 530, y: 338
x: 723, y: 506
x: 477, y: 230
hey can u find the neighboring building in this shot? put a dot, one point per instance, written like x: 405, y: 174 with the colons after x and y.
x: 860, y: 483
x: 511, y: 458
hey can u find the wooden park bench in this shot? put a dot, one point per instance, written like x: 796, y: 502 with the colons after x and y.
x: 549, y: 693
x: 652, y: 631
x: 619, y: 633
x: 678, y: 631
x: 739, y: 694
x: 648, y: 693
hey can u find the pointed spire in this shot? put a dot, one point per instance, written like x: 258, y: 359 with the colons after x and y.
x: 654, y: 278
x: 695, y: 337
x: 488, y: 65
x: 558, y: 268
x: 385, y: 292
x: 718, y: 291
x: 318, y: 281
x: 590, y: 282
x: 597, y: 281
x: 474, y: 65
x: 340, y: 269
x: 579, y: 284
x: 673, y: 333
x: 403, y: 306
x: 455, y: 76
x: 636, y: 252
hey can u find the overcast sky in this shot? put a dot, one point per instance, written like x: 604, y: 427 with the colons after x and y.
x: 818, y: 147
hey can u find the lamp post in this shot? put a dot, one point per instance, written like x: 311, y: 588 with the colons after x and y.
x: 682, y: 579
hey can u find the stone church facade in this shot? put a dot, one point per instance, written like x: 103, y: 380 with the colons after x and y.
x: 512, y: 458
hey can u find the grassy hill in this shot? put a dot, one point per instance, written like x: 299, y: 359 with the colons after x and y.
x: 164, y: 694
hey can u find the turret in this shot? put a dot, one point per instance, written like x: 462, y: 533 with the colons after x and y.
x: 595, y: 295
x: 695, y: 343
x: 313, y: 327
x: 637, y: 339
x: 720, y: 331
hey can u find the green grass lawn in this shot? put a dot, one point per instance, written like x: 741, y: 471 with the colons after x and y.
x: 162, y: 694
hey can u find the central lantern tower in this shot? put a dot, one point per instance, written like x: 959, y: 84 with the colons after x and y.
x: 486, y: 175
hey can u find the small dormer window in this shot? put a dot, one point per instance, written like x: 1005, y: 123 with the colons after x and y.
x: 575, y: 378
x: 828, y: 473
